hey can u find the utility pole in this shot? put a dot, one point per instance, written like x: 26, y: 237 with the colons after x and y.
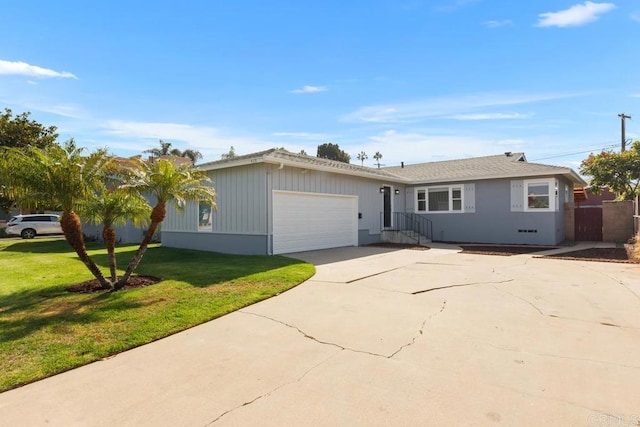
x: 624, y: 140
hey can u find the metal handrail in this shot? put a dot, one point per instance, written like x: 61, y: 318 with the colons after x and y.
x: 403, y: 221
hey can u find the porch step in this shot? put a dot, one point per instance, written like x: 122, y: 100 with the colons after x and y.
x: 404, y: 237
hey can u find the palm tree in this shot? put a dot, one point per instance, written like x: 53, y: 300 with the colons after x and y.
x: 111, y: 208
x: 377, y: 157
x: 194, y: 155
x: 168, y: 183
x: 166, y: 150
x: 362, y: 156
x: 59, y: 177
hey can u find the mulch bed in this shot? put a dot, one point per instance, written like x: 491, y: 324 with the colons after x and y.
x: 91, y: 286
x: 400, y: 246
x: 622, y: 255
x: 503, y: 250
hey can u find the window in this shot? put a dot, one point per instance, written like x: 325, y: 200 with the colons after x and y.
x: 540, y: 195
x: 205, y: 212
x: 422, y: 201
x: 456, y: 199
x: 439, y: 199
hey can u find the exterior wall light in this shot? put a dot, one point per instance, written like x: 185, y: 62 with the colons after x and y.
x: 381, y: 189
x: 397, y: 191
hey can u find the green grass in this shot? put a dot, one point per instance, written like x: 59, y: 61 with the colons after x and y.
x: 45, y: 330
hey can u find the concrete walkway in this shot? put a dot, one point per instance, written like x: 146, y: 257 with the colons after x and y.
x: 378, y: 338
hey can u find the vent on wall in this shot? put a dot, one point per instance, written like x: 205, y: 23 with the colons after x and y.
x: 527, y: 231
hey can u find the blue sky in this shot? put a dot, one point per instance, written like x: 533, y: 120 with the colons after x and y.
x: 417, y: 80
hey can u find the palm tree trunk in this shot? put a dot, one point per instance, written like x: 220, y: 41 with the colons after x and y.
x: 72, y: 229
x: 157, y: 216
x: 109, y: 237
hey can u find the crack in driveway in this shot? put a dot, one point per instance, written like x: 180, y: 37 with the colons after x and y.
x: 339, y: 347
x: 555, y: 316
x: 270, y: 392
x: 615, y: 279
x: 553, y: 399
x: 535, y: 307
x: 557, y: 356
x: 306, y: 335
x: 460, y: 285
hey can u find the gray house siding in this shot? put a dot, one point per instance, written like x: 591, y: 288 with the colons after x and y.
x: 237, y: 244
x: 128, y: 233
x: 495, y: 220
x: 242, y: 222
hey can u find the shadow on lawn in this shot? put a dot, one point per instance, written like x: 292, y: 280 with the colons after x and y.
x: 28, y: 311
x: 198, y: 268
x: 39, y: 246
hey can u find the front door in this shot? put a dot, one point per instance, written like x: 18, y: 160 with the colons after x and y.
x: 387, y: 207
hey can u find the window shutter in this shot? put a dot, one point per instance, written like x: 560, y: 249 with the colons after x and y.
x: 469, y: 198
x: 517, y: 196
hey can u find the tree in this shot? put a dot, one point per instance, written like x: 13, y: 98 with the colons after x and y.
x: 60, y: 177
x: 377, y: 158
x: 111, y: 207
x: 618, y: 171
x: 20, y: 132
x: 332, y: 152
x: 167, y: 183
x: 194, y: 155
x: 166, y: 150
x: 304, y: 153
x: 230, y: 155
x: 362, y: 156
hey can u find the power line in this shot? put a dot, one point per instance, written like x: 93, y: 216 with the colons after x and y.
x: 576, y: 152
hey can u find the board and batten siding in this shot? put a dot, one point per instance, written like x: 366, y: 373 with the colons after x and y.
x: 370, y: 200
x: 241, y: 202
x: 245, y: 200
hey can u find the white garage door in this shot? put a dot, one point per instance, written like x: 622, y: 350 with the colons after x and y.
x: 307, y: 221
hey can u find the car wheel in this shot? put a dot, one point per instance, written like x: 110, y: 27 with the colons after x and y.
x: 28, y: 233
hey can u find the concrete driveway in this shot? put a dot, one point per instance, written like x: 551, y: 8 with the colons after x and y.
x: 380, y: 337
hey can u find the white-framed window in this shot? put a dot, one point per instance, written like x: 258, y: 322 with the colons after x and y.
x: 444, y: 198
x: 205, y: 217
x: 540, y: 195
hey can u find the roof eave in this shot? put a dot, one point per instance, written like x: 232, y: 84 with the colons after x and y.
x: 568, y: 173
x: 327, y: 168
x: 231, y: 163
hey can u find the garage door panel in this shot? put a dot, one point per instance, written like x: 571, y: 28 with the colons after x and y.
x: 307, y: 221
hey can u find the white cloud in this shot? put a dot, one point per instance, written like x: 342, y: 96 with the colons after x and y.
x: 635, y: 16
x: 576, y: 15
x: 71, y: 111
x: 211, y: 142
x: 304, y: 135
x: 489, y: 116
x: 444, y: 107
x: 416, y: 147
x: 498, y: 24
x: 24, y: 69
x: 636, y: 95
x: 310, y: 89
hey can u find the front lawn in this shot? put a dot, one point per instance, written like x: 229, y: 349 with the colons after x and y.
x: 45, y: 330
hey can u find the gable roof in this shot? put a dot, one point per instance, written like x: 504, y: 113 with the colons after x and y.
x: 508, y: 165
x: 281, y: 156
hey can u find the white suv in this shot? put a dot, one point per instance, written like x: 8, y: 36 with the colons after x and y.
x: 28, y: 226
